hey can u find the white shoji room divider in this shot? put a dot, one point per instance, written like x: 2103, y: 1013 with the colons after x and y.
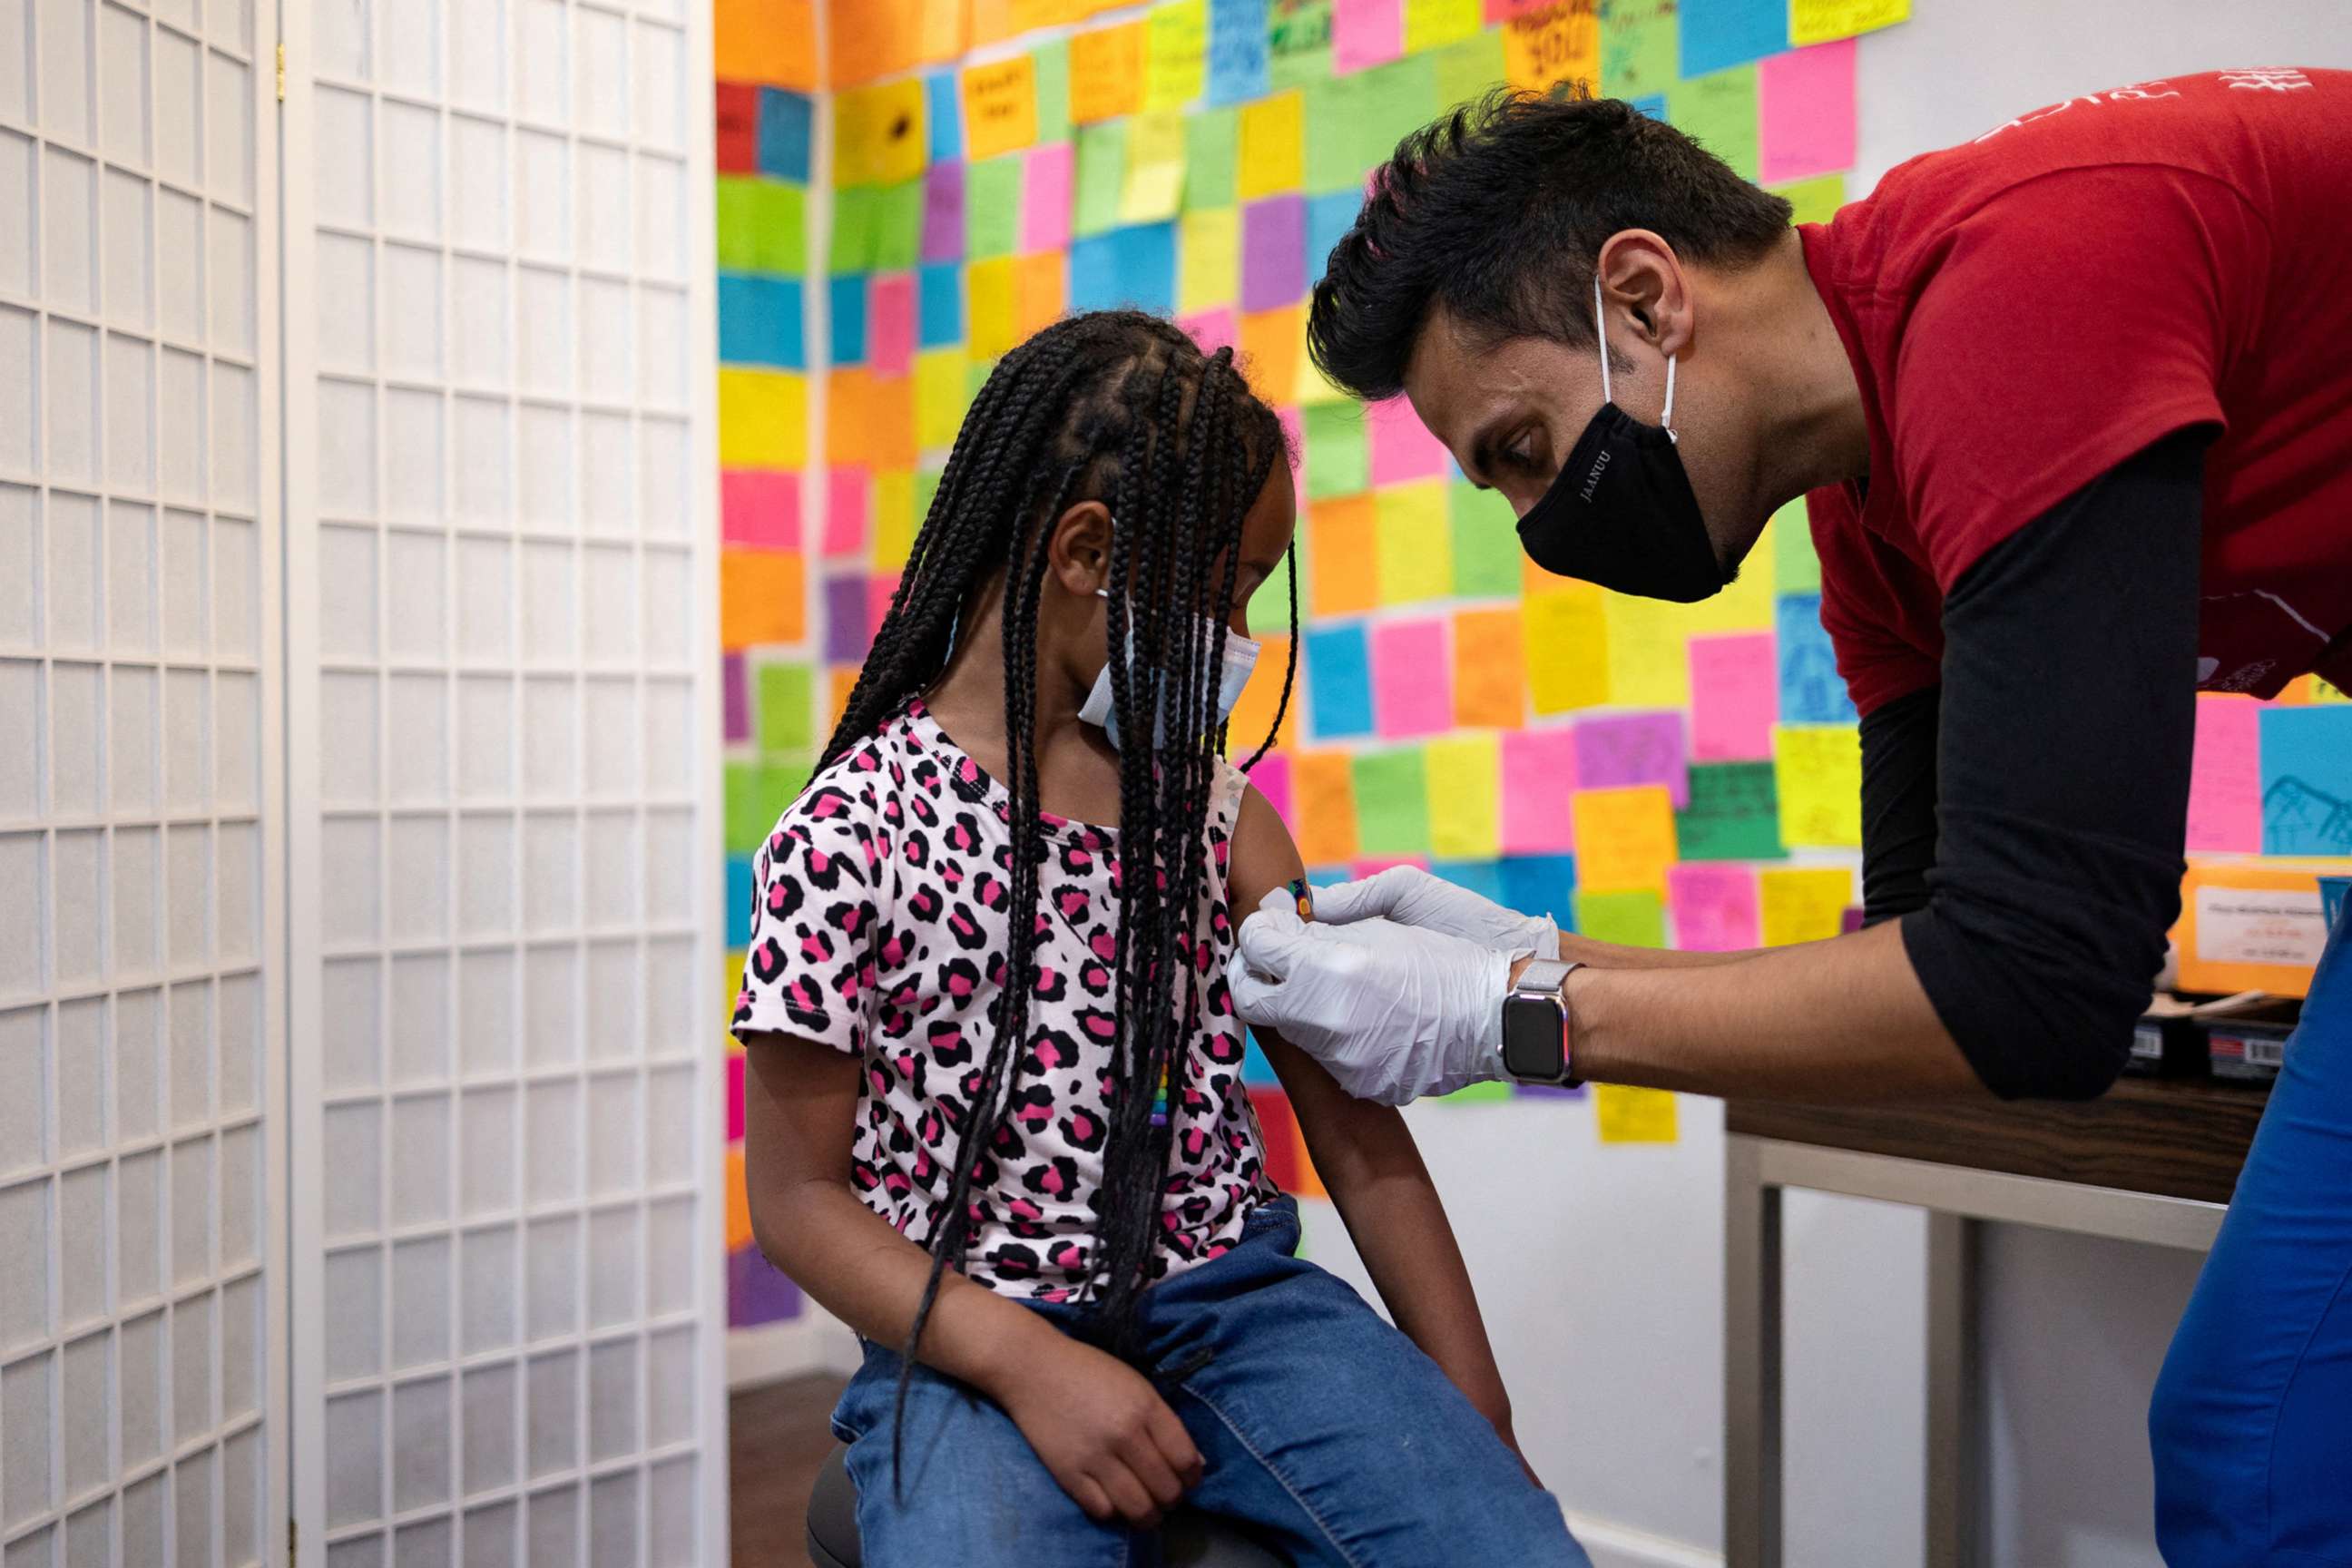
x: 142, y: 1292
x: 504, y: 981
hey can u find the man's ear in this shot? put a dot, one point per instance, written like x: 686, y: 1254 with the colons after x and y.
x: 1641, y: 278
x: 1077, y: 553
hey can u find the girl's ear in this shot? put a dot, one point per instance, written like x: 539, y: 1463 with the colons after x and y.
x: 1077, y: 554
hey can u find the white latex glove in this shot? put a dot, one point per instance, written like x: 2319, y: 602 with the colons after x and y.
x: 1393, y: 1012
x: 1411, y: 895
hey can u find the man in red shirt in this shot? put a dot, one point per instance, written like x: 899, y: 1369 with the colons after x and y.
x: 2073, y: 408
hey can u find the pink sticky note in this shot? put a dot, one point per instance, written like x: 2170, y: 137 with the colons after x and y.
x: 1213, y: 329
x: 1272, y: 778
x: 943, y: 213
x: 1715, y: 907
x: 1365, y: 33
x: 1538, y: 772
x: 1412, y: 678
x: 1634, y: 749
x: 1401, y: 446
x: 1734, y: 696
x: 2225, y: 782
x: 1804, y: 112
x: 760, y: 507
x: 879, y: 589
x: 1045, y: 198
x: 847, y: 503
x: 890, y: 325
x: 734, y: 1097
x: 1359, y: 869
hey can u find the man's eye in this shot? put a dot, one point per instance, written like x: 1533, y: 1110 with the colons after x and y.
x: 1520, y: 451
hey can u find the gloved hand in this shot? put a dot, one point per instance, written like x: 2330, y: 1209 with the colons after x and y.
x: 1393, y: 1012
x: 1411, y: 895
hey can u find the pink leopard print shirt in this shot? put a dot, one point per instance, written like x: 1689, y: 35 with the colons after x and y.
x: 879, y: 930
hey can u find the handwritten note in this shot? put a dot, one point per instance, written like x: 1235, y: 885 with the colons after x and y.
x: 1718, y: 112
x: 1804, y: 105
x: 1567, y: 648
x: 1106, y: 73
x: 1412, y: 693
x: 1734, y: 814
x: 1553, y: 44
x: 1811, y: 690
x: 1208, y: 250
x: 1490, y: 687
x: 1364, y: 33
x: 1298, y: 41
x: 1715, y: 908
x: 1433, y: 24
x: 1464, y: 804
x: 1392, y: 802
x: 1818, y: 770
x: 1101, y: 171
x: 1338, y: 682
x: 1624, y: 837
x: 2225, y: 782
x: 1154, y: 183
x: 1175, y: 53
x: 1323, y: 786
x: 1640, y: 48
x: 1819, y: 21
x: 2307, y: 780
x: 1803, y: 904
x: 1413, y: 562
x: 1733, y: 696
x: 1630, y: 920
x: 1237, y: 39
x: 1000, y: 106
x: 1634, y: 749
x: 1628, y: 1115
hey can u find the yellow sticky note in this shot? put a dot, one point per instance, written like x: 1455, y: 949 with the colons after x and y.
x: 1323, y: 806
x: 1820, y: 21
x: 1490, y: 687
x: 1431, y: 24
x: 1555, y: 44
x: 1273, y: 158
x: 941, y: 397
x: 1649, y: 655
x: 881, y: 138
x: 1624, y: 838
x: 1342, y: 560
x: 1463, y: 772
x: 1209, y: 259
x: 1000, y: 107
x: 1312, y: 386
x: 1818, y: 770
x: 1106, y: 73
x: 1154, y: 183
x: 988, y: 306
x: 762, y: 419
x: 1416, y: 553
x: 895, y: 522
x: 1567, y: 648
x: 1816, y: 200
x: 1629, y: 1115
x: 1175, y: 53
x: 1803, y: 904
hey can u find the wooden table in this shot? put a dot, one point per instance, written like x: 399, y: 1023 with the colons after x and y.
x: 2154, y: 1161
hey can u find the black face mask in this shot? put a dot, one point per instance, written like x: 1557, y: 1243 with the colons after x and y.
x: 1621, y: 512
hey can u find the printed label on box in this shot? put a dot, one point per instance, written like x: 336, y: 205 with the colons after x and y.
x: 2258, y: 925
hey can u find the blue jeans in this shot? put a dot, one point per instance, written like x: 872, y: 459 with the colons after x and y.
x: 2252, y: 1424
x: 1322, y: 1428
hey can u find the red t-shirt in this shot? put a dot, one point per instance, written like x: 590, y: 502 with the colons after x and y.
x: 2027, y: 311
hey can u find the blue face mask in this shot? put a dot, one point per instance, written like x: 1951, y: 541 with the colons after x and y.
x: 1241, y: 657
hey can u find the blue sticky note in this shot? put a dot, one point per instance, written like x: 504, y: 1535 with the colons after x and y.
x: 945, y: 117
x: 1328, y: 876
x: 1811, y: 690
x: 1236, y: 50
x: 1328, y: 218
x: 760, y: 320
x: 1338, y: 682
x: 1483, y: 877
x: 1132, y: 266
x: 784, y: 120
x: 1718, y: 34
x: 740, y: 897
x: 1255, y: 1069
x: 1654, y: 106
x: 2307, y: 780
x: 849, y: 319
x: 939, y: 290
x: 1541, y: 885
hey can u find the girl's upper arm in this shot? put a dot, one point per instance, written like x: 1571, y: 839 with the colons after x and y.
x: 1265, y: 856
x: 800, y: 1110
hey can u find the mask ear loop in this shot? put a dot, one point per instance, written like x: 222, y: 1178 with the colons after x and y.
x: 1600, y: 332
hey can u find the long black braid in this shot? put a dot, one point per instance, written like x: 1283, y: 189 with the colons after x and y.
x: 1125, y: 409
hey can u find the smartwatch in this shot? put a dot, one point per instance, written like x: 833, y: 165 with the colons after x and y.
x: 1536, y: 1027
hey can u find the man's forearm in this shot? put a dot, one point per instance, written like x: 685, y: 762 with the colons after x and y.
x: 1613, y: 955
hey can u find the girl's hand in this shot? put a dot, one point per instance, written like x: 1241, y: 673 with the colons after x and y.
x: 1103, y: 1431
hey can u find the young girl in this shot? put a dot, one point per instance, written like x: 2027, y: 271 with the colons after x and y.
x: 995, y: 1119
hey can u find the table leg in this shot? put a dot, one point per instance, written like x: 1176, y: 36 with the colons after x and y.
x: 1955, y: 1424
x: 1751, y: 1361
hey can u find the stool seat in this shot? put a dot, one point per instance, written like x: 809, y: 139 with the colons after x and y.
x: 1192, y: 1539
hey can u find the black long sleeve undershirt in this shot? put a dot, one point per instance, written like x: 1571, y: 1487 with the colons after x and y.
x: 2025, y: 820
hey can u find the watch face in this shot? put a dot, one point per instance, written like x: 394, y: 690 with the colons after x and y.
x: 1531, y: 1039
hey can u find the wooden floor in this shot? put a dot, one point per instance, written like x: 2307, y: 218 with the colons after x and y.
x: 777, y: 1437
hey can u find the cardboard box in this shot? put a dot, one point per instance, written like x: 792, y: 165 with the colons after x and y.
x: 2250, y: 925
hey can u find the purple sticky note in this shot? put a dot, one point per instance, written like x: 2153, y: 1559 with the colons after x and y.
x: 1538, y: 776
x: 1634, y: 749
x: 1734, y: 696
x: 846, y: 636
x: 2225, y: 781
x: 1804, y: 112
x: 757, y: 1290
x: 943, y: 213
x: 1274, y: 252
x: 1403, y: 450
x: 890, y: 324
x: 1715, y: 907
x: 1365, y: 33
x: 1045, y: 199
x: 1412, y: 678
x: 847, y: 491
x: 735, y: 689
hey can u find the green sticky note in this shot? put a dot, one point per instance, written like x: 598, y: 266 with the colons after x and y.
x: 1816, y: 200
x: 1641, y: 47
x: 1718, y: 112
x: 1053, y: 70
x: 763, y: 226
x: 855, y: 219
x: 1211, y: 138
x: 1466, y: 70
x: 1270, y: 607
x: 1298, y: 42
x: 782, y: 692
x: 1100, y: 174
x: 1734, y: 814
x: 1630, y: 920
x: 756, y: 795
x: 1338, y: 461
x: 992, y: 207
x: 1476, y: 1093
x: 927, y: 489
x: 1354, y: 123
x: 1795, y: 568
x: 976, y: 376
x: 1485, y: 542
x: 1392, y: 803
x: 897, y: 226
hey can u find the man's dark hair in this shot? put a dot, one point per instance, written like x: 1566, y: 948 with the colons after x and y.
x: 1498, y: 211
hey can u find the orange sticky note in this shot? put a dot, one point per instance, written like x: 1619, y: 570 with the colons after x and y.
x: 739, y: 1203
x: 1624, y: 838
x: 763, y: 597
x: 868, y: 40
x: 1323, y: 804
x: 1343, y: 556
x: 1106, y: 73
x: 1039, y: 290
x: 1000, y: 107
x: 1253, y: 716
x: 1271, y: 345
x: 841, y: 681
x: 848, y: 427
x: 1490, y: 662
x: 771, y: 41
x: 890, y: 410
x: 1552, y: 45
